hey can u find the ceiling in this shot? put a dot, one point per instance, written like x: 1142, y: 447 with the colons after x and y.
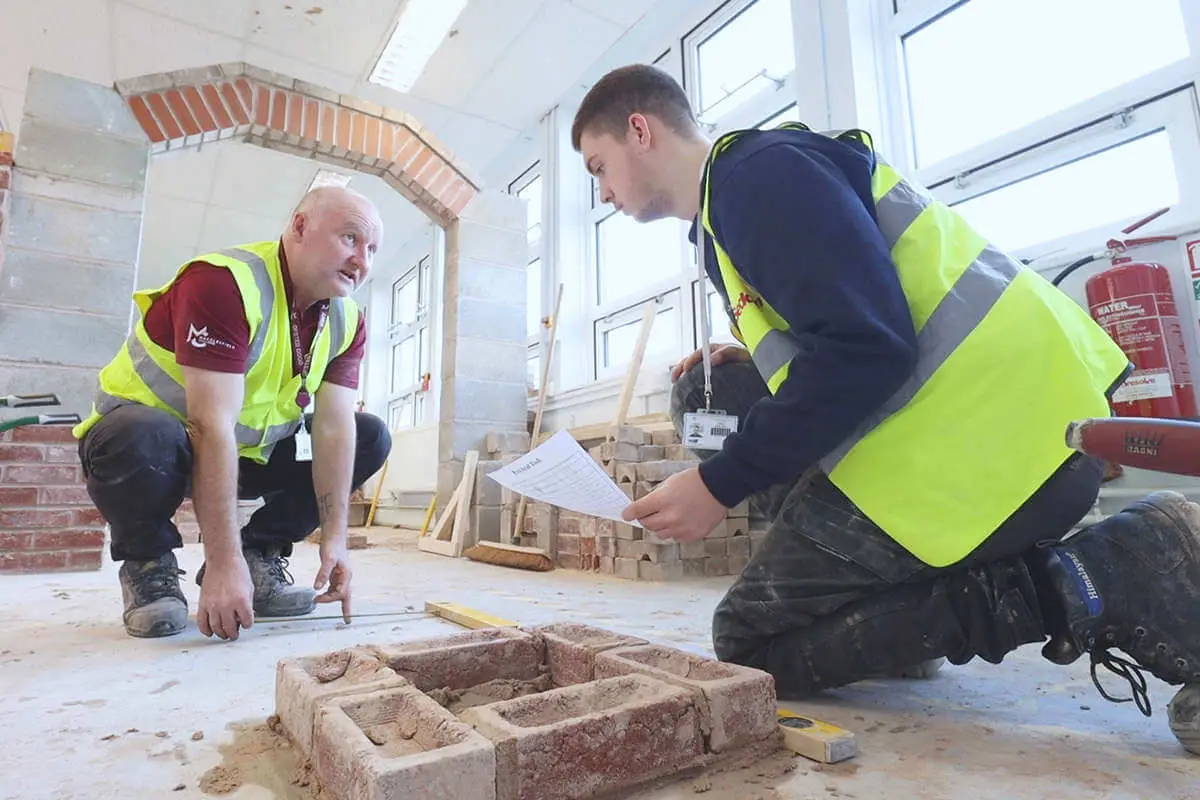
x: 505, y: 64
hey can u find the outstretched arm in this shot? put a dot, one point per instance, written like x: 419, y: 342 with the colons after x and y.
x: 334, y: 442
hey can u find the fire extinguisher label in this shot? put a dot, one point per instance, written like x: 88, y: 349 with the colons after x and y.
x: 1143, y: 386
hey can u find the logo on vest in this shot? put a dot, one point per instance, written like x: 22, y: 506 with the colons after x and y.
x: 199, y: 338
x: 745, y: 299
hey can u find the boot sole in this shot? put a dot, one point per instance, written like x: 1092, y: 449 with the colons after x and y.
x: 158, y: 630
x: 1183, y: 715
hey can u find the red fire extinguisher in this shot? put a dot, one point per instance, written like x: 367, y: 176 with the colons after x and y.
x: 1134, y: 302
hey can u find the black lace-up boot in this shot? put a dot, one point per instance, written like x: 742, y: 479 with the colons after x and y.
x: 275, y: 592
x: 1132, y: 583
x: 154, y: 604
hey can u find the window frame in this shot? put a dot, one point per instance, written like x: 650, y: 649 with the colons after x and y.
x: 411, y: 398
x: 535, y: 341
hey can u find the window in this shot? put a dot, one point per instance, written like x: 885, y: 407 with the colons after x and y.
x: 718, y: 319
x: 410, y: 339
x: 789, y: 114
x: 740, y: 62
x: 632, y: 256
x: 528, y: 186
x: 617, y: 335
x: 967, y: 83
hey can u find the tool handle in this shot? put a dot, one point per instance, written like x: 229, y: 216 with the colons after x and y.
x: 27, y: 400
x: 1162, y: 445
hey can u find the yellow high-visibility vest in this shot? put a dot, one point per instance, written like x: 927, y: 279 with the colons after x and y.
x: 1005, y: 362
x: 144, y: 373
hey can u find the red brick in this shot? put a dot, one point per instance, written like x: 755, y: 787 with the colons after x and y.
x: 11, y: 496
x: 358, y: 131
x: 43, y: 434
x: 85, y: 559
x: 16, y: 541
x: 736, y: 703
x: 327, y: 132
x: 295, y: 114
x: 5, y: 178
x: 84, y: 517
x: 262, y: 107
x: 279, y: 103
x: 163, y: 114
x: 42, y: 475
x: 22, y: 454
x: 6, y: 159
x: 79, y: 539
x: 467, y: 659
x: 217, y: 106
x: 63, y: 496
x: 591, y: 739
x: 245, y: 90
x: 302, y: 684
x: 239, y: 107
x: 371, y: 142
x: 27, y: 518
x: 312, y: 118
x: 33, y: 561
x: 196, y: 105
x: 571, y: 649
x: 342, y: 137
x: 62, y: 454
x: 400, y: 743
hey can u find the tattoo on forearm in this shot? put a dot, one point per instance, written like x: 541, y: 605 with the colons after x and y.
x: 325, y: 505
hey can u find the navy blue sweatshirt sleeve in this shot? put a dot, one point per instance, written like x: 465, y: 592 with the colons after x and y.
x: 796, y: 224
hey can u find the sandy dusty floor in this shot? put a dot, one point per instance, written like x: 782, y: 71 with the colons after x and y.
x: 87, y: 712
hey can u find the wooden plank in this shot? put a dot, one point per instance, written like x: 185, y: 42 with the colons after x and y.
x: 465, y: 491
x: 541, y: 404
x: 635, y: 363
x: 441, y: 547
x: 467, y: 617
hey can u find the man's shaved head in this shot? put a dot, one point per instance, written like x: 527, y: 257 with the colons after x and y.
x: 331, y: 241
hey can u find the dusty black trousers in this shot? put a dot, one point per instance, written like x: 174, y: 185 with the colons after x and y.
x: 830, y: 599
x: 137, y: 462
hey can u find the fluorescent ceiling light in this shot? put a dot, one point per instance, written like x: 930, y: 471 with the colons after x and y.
x: 422, y: 27
x: 327, y: 177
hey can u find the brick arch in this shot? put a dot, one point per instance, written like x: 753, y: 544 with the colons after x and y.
x: 186, y: 108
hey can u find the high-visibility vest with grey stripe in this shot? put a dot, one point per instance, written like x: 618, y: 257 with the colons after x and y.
x: 265, y: 419
x: 1004, y: 362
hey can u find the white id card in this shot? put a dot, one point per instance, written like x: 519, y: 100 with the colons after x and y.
x: 303, y: 445
x: 706, y: 430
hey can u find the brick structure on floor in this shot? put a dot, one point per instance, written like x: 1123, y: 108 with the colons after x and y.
x: 639, y: 461
x: 188, y: 107
x: 47, y: 520
x: 564, y: 710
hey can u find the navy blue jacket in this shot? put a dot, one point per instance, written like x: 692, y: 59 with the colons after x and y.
x: 795, y: 214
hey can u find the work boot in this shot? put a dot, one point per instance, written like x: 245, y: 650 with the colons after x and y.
x: 275, y: 594
x: 1132, y: 583
x: 154, y: 604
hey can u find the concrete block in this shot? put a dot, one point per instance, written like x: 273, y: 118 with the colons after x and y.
x: 42, y: 279
x: 627, y: 488
x: 487, y: 491
x: 720, y: 531
x: 497, y: 209
x: 94, y: 234
x: 52, y: 187
x: 626, y: 567
x: 649, y: 571
x: 715, y: 548
x: 507, y: 442
x: 736, y: 703
x: 606, y: 548
x: 482, y: 360
x: 651, y: 452
x: 695, y: 567
x: 621, y: 451
x: 625, y: 548
x: 626, y: 473
x: 716, y: 566
x: 568, y: 545
x: 735, y: 564
x: 737, y: 526
x: 663, y: 553
x: 607, y: 565
x: 742, y: 509
x: 571, y: 649
x: 568, y: 525
x: 484, y: 319
x: 692, y: 550
x: 488, y: 400
x: 590, y: 740
x: 398, y: 743
x: 302, y: 684
x: 79, y: 104
x: 666, y: 437
x: 485, y: 523
x: 677, y: 452
x: 506, y: 246
x: 661, y: 470
x: 588, y: 526
x: 627, y: 433
x: 625, y: 530
x: 79, y: 156
x: 738, y: 546
x: 642, y: 488
x: 606, y: 529
x: 481, y: 280
x: 467, y: 659
x: 68, y: 339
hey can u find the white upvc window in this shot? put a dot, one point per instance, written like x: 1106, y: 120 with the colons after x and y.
x: 529, y: 186
x: 1052, y: 146
x: 410, y: 339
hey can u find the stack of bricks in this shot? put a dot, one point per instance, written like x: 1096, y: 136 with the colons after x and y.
x: 639, y: 461
x: 47, y: 520
x: 6, y: 161
x: 494, y: 510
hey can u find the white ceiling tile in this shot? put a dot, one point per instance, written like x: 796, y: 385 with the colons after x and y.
x: 226, y: 227
x: 150, y: 43
x: 623, y: 12
x: 159, y: 260
x: 230, y: 17
x: 295, y: 68
x: 40, y: 34
x: 543, y: 63
x: 171, y: 220
x: 485, y: 30
x: 184, y: 174
x: 253, y: 179
x: 343, y: 38
x: 477, y: 141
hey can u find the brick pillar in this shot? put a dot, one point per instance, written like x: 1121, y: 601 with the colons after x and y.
x: 71, y: 239
x: 483, y: 341
x: 47, y: 520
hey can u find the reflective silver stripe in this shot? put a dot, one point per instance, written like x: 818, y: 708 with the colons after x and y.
x: 898, y: 210
x: 266, y: 299
x: 956, y: 316
x: 251, y: 437
x: 775, y: 350
x: 163, y: 386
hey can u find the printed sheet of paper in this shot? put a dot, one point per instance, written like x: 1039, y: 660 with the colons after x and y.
x: 561, y: 473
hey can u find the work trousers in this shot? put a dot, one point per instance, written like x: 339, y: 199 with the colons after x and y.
x: 138, y: 460
x: 828, y: 598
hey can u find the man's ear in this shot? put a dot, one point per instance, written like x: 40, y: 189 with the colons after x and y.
x: 638, y: 133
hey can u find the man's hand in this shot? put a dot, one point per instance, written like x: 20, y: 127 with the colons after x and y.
x: 721, y: 354
x: 335, y: 570
x: 681, y: 508
x: 226, y: 599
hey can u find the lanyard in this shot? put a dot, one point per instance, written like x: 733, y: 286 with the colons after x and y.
x: 298, y: 353
x: 704, y: 354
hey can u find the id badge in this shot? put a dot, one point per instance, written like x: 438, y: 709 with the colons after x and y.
x: 303, y: 445
x: 706, y: 430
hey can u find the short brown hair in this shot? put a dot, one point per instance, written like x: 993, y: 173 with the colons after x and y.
x: 633, y: 89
